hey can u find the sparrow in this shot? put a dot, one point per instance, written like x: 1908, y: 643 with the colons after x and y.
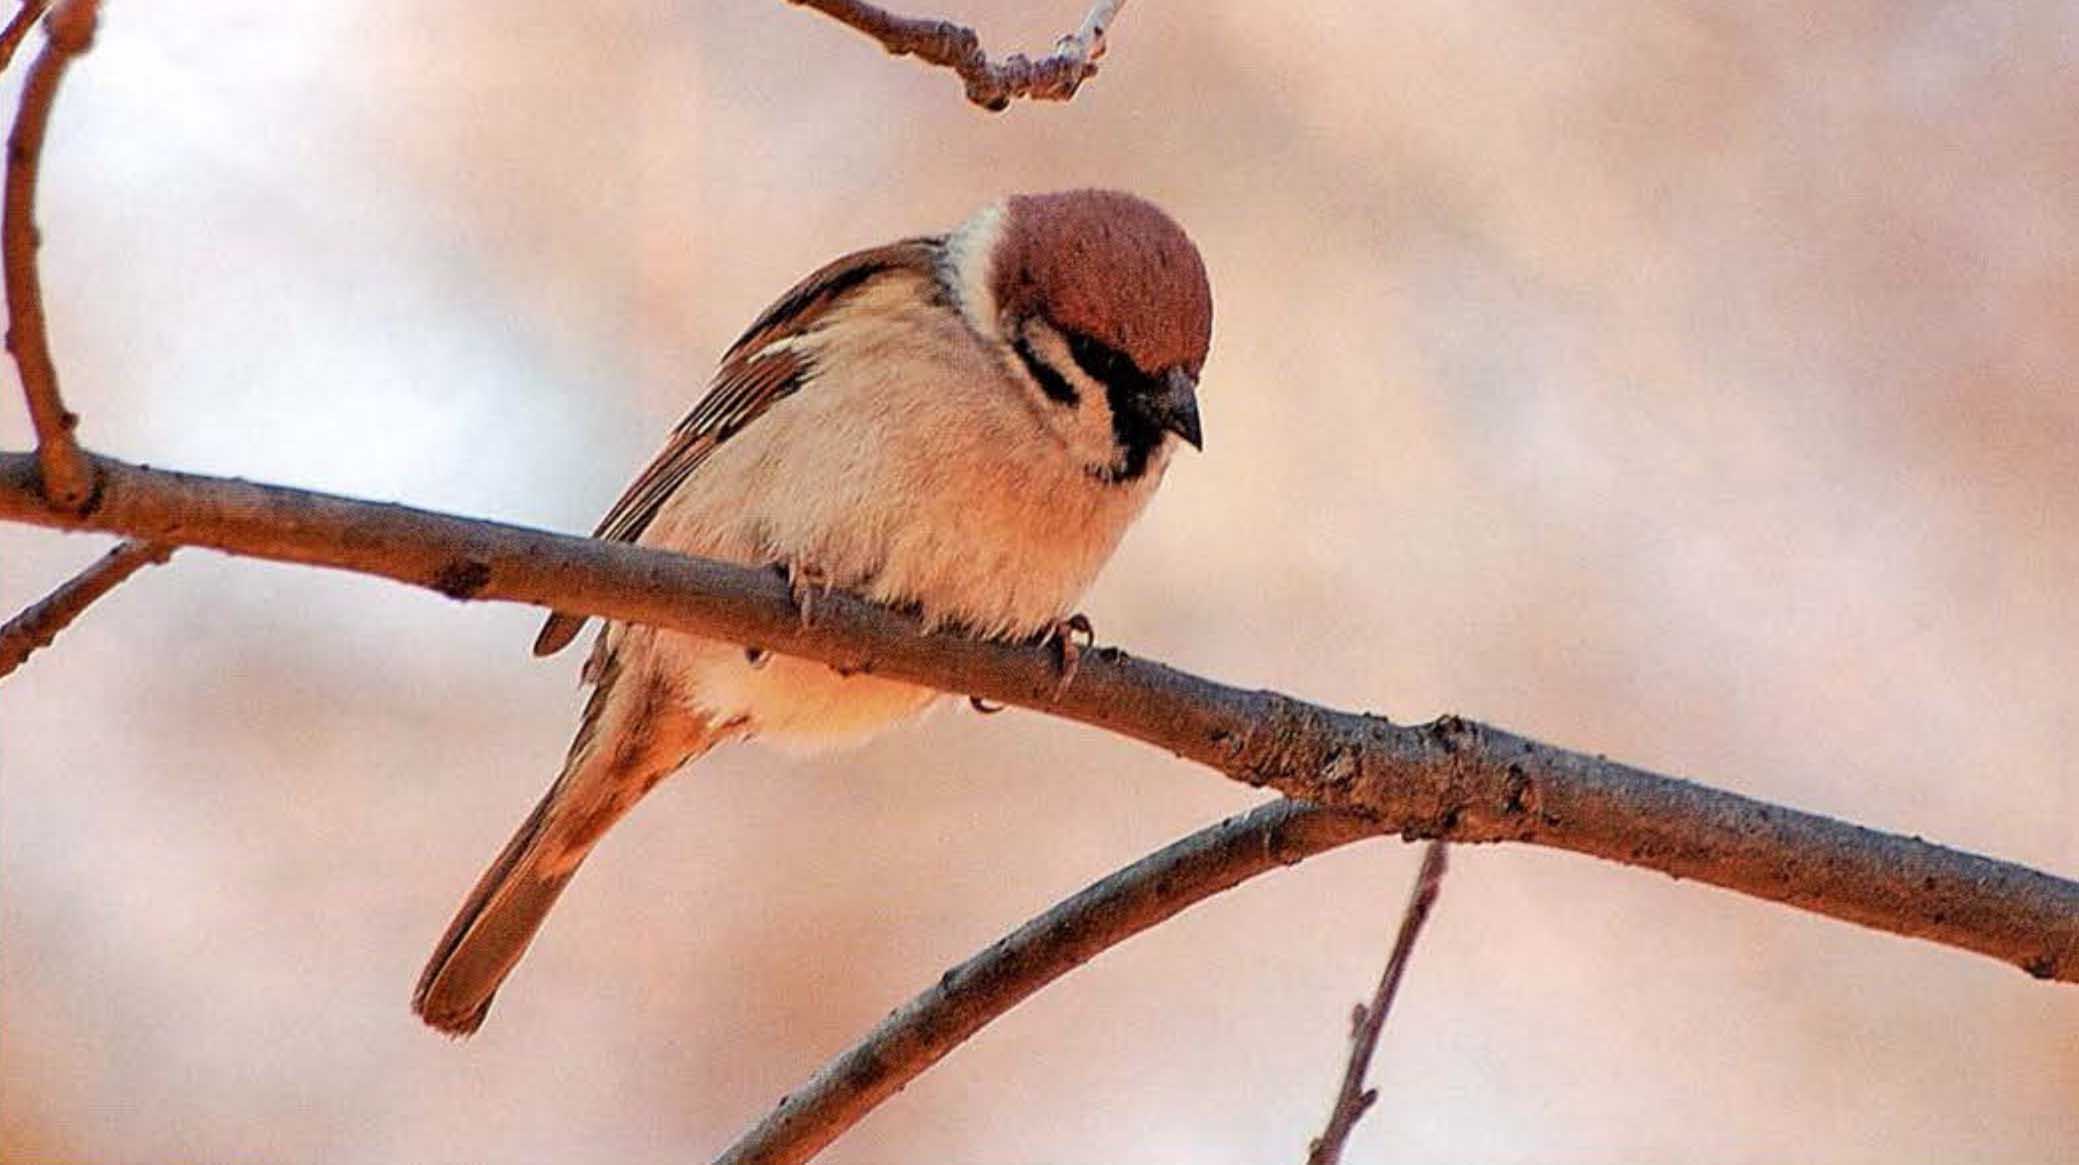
x: 962, y: 425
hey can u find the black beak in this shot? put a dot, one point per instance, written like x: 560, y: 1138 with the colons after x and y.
x: 1174, y: 406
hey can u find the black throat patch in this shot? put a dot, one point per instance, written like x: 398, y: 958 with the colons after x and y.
x: 1127, y: 390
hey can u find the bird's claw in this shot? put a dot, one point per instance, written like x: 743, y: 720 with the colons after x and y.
x: 985, y: 707
x: 802, y: 583
x: 1063, y: 636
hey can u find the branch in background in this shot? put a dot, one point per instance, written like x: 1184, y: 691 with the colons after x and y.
x: 1353, y: 1099
x: 67, y: 479
x: 990, y: 84
x: 917, y: 1034
x: 25, y: 18
x: 41, y: 621
x: 1453, y: 779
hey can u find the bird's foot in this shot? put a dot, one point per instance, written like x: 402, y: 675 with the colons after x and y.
x: 803, y: 581
x: 1063, y: 636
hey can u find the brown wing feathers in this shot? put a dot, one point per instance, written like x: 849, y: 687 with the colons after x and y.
x: 750, y: 380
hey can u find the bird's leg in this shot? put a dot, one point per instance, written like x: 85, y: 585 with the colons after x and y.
x: 1063, y: 636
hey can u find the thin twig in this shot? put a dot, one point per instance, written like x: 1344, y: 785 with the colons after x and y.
x: 67, y: 478
x: 1353, y: 1099
x: 969, y: 996
x: 11, y: 37
x: 1451, y: 778
x: 40, y: 622
x: 990, y: 84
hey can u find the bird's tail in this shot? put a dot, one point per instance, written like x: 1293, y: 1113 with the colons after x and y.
x: 627, y: 742
x: 493, y: 928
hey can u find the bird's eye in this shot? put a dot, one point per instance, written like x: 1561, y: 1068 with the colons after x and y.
x: 1100, y: 361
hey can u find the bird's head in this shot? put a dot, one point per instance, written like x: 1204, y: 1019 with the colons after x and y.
x: 1101, y: 304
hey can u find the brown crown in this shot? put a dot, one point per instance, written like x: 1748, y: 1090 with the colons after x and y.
x: 1111, y: 266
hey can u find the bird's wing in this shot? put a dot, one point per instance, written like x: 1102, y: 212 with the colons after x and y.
x: 757, y: 371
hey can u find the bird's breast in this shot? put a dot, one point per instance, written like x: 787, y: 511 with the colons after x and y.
x: 912, y: 470
x: 908, y: 470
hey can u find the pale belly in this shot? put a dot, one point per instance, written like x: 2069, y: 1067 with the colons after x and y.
x: 796, y: 704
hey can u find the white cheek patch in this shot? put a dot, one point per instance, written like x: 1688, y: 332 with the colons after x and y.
x: 1084, y: 428
x: 971, y: 250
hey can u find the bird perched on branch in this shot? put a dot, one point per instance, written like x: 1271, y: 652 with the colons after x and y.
x: 962, y: 424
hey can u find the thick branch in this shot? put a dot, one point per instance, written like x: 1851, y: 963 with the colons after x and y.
x: 1352, y: 1098
x: 990, y: 84
x: 67, y: 481
x: 41, y: 621
x: 916, y: 1035
x: 1453, y: 779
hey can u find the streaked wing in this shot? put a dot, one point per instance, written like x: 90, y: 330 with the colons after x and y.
x: 757, y: 371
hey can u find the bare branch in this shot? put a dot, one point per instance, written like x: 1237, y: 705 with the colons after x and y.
x: 990, y: 84
x: 1454, y: 779
x: 917, y: 1034
x: 11, y: 37
x: 1353, y: 1099
x: 40, y: 622
x: 67, y: 478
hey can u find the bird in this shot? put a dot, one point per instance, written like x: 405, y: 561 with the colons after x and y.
x: 962, y: 425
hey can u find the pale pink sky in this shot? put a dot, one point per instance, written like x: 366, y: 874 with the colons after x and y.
x: 1687, y: 381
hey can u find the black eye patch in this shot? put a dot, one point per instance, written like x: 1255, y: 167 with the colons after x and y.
x: 1129, y: 392
x: 1051, y: 382
x: 1107, y: 365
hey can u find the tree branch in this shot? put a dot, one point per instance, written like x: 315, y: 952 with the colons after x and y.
x: 1452, y: 778
x: 40, y: 622
x: 11, y: 37
x: 67, y: 480
x: 916, y: 1035
x: 990, y: 84
x: 1353, y: 1099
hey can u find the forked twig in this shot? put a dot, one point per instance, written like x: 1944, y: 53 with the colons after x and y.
x: 1353, y: 1099
x: 68, y: 479
x: 40, y: 622
x: 990, y: 84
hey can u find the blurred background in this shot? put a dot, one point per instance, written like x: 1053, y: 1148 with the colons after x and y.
x: 1684, y: 381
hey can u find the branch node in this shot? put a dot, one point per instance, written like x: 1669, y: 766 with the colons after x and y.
x: 462, y: 578
x: 72, y: 26
x: 991, y: 85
